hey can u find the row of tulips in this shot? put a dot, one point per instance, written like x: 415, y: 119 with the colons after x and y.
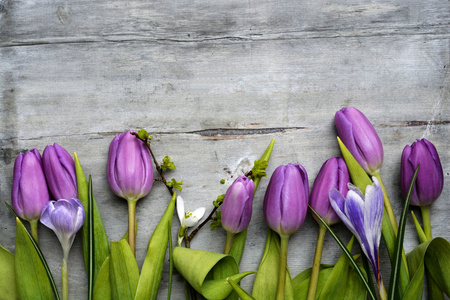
x: 362, y: 206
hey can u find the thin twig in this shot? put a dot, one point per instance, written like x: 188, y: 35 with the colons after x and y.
x: 209, y: 218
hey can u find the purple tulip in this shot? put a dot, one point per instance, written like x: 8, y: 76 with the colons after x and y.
x: 286, y: 199
x: 333, y: 174
x: 29, y: 191
x: 362, y: 216
x: 430, y: 179
x: 237, y: 205
x: 59, y: 169
x: 360, y: 138
x: 65, y: 218
x: 130, y: 169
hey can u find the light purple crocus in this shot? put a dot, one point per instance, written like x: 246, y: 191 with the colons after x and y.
x: 237, y: 205
x: 130, y: 169
x: 333, y: 174
x: 430, y: 179
x: 360, y: 138
x: 65, y: 218
x: 286, y: 199
x: 363, y: 217
x: 29, y: 190
x: 59, y: 169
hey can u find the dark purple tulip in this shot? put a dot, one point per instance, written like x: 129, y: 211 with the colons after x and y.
x: 130, y: 169
x: 430, y: 179
x: 286, y: 199
x: 59, y: 169
x: 237, y: 205
x: 360, y: 138
x: 65, y: 218
x: 333, y: 174
x: 29, y: 191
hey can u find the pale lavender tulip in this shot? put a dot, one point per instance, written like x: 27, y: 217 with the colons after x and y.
x: 430, y: 179
x: 65, y: 218
x: 333, y: 174
x: 286, y: 199
x: 237, y: 205
x: 363, y: 217
x: 360, y: 138
x: 59, y: 169
x: 29, y: 191
x: 130, y: 169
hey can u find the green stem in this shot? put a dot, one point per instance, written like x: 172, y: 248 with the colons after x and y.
x: 131, y: 220
x: 316, y: 264
x: 387, y: 204
x: 228, y: 243
x: 283, y: 263
x: 65, y: 279
x: 420, y: 233
x: 426, y: 221
x: 34, y: 230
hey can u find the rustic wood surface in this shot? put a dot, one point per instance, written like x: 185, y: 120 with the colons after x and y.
x: 214, y: 82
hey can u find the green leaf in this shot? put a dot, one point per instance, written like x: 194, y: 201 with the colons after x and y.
x: 300, y: 283
x: 102, y: 286
x: 7, y: 275
x: 266, y: 281
x: 395, y: 272
x: 265, y: 157
x: 31, y: 275
x: 91, y: 242
x: 101, y: 249
x: 123, y: 271
x: 153, y: 264
x: 348, y: 254
x: 243, y: 294
x: 169, y: 289
x: 143, y: 134
x: 435, y: 255
x: 167, y: 164
x: 175, y: 184
x: 207, y: 272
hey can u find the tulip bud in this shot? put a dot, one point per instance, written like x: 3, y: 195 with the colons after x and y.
x: 130, y: 169
x: 333, y: 174
x: 29, y: 191
x: 59, y: 169
x: 360, y: 138
x: 65, y: 218
x: 430, y: 179
x: 237, y: 205
x: 286, y: 199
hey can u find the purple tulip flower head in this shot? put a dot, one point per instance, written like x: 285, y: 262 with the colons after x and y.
x: 29, y: 191
x: 130, y: 169
x: 237, y: 205
x: 65, y: 218
x: 430, y: 179
x: 360, y: 138
x: 59, y: 169
x: 333, y: 174
x: 286, y: 199
x: 363, y: 217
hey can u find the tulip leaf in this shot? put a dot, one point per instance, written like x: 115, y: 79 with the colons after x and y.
x: 123, y: 271
x: 239, y: 239
x: 243, y: 294
x: 102, y: 286
x: 31, y: 275
x: 395, y: 271
x: 349, y: 256
x: 266, y: 281
x: 202, y: 268
x: 151, y: 272
x: 169, y: 289
x: 344, y: 282
x: 7, y: 275
x: 300, y: 283
x: 39, y: 253
x: 435, y: 256
x: 101, y: 249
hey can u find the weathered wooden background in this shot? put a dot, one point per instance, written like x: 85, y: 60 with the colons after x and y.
x: 214, y: 82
